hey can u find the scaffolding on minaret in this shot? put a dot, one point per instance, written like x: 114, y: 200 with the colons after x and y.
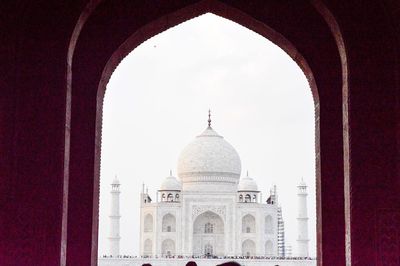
x: 209, y: 118
x: 281, y: 234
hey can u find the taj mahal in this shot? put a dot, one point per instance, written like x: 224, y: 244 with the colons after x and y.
x: 209, y: 212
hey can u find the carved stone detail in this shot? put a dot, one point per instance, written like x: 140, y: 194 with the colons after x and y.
x: 199, y: 209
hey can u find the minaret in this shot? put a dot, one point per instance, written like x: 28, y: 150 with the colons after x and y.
x: 302, y: 220
x: 114, y: 218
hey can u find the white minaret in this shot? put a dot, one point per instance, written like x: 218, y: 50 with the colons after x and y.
x: 302, y: 220
x: 114, y: 219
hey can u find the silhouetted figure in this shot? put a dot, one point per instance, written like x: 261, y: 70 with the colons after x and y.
x: 191, y: 263
x: 146, y: 264
x: 230, y: 263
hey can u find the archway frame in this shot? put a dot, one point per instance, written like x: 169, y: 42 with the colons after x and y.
x: 195, y: 219
x: 253, y: 245
x: 78, y: 96
x: 164, y: 222
x: 249, y: 223
x: 148, y: 227
x: 165, y: 243
x: 215, y: 232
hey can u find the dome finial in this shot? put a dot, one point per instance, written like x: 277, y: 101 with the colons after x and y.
x: 170, y: 172
x: 209, y: 118
x: 115, y: 181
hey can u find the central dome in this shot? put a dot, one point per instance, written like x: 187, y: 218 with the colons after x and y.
x: 209, y: 162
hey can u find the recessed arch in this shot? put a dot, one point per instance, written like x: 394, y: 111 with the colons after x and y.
x: 208, y: 229
x: 87, y: 92
x: 208, y: 218
x: 148, y: 223
x: 269, y: 228
x: 247, y: 198
x: 248, y: 248
x: 170, y: 197
x: 148, y: 247
x: 248, y: 224
x: 168, y: 247
x: 169, y: 223
x: 269, y: 248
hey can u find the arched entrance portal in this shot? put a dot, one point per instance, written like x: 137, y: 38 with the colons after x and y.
x: 208, y: 235
x: 85, y: 93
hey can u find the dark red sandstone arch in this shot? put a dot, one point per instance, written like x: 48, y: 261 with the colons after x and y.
x: 53, y: 58
x: 105, y: 59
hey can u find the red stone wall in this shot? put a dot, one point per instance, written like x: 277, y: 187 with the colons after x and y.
x: 51, y: 101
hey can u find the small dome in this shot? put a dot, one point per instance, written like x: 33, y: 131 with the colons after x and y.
x: 247, y: 184
x: 115, y: 181
x: 302, y: 183
x: 171, y: 183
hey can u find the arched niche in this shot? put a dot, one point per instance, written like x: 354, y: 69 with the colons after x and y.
x: 269, y: 227
x: 269, y: 248
x: 247, y: 198
x: 168, y: 247
x: 148, y: 247
x: 208, y: 219
x: 248, y: 224
x: 170, y: 197
x: 169, y: 223
x: 248, y: 248
x: 148, y: 223
x: 208, y: 228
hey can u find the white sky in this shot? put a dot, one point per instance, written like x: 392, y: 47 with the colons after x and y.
x: 157, y: 101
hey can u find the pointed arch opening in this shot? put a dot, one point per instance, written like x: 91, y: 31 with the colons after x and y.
x: 92, y: 87
x: 208, y: 235
x: 169, y: 223
x: 269, y: 227
x: 168, y: 248
x: 248, y: 224
x: 269, y: 248
x: 148, y: 223
x: 148, y: 247
x: 248, y: 248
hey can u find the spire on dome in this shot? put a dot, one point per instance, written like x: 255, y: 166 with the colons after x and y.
x: 170, y: 172
x: 209, y: 118
x: 302, y: 183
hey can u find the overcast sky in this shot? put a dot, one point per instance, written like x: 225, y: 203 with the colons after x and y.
x: 157, y: 101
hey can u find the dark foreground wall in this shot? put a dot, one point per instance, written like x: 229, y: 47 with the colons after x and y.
x: 56, y: 57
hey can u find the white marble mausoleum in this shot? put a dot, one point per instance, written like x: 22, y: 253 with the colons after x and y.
x: 210, y: 211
